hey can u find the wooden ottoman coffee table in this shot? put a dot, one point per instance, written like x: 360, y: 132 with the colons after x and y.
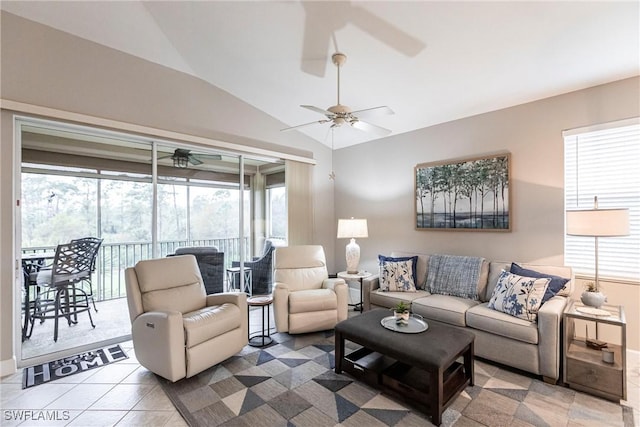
x: 419, y: 368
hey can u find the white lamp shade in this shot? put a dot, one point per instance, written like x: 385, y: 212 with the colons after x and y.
x: 352, y: 228
x: 598, y: 222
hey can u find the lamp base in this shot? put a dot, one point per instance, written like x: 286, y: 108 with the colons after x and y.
x: 353, y: 257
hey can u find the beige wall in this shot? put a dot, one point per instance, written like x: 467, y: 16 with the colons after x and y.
x: 376, y: 181
x: 49, y: 68
x: 6, y: 249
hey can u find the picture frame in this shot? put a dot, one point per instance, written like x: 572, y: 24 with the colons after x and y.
x: 471, y: 194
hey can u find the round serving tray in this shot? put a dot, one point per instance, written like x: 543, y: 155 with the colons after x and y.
x: 415, y: 326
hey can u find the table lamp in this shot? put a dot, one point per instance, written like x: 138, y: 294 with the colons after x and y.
x: 597, y: 223
x: 352, y: 229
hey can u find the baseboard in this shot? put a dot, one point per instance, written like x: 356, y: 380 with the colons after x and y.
x: 633, y: 354
x: 8, y: 367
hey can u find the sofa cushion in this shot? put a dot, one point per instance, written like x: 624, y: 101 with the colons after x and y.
x: 312, y: 300
x: 421, y: 266
x: 518, y: 296
x: 443, y: 308
x: 496, y: 267
x: 210, y: 322
x: 459, y: 276
x: 397, y: 274
x: 483, y: 318
x: 555, y: 285
x: 390, y: 299
x: 414, y: 258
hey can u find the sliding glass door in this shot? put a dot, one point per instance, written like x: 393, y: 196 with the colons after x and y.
x: 81, y: 182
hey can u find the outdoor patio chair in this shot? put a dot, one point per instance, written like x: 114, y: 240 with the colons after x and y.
x: 211, y: 265
x: 92, y: 246
x: 60, y: 296
x: 261, y: 270
x: 177, y: 329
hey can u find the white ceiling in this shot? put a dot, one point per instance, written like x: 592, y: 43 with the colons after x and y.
x: 431, y: 62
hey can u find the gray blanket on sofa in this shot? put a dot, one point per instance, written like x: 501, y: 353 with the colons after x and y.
x: 454, y: 275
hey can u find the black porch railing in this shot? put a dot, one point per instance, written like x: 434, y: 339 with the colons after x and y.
x: 113, y: 258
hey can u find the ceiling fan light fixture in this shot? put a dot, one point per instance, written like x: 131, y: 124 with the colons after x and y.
x: 180, y: 161
x: 340, y: 114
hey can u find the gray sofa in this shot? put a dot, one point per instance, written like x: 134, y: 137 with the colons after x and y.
x: 530, y: 346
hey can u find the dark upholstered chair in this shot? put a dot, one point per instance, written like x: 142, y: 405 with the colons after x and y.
x: 261, y: 270
x: 211, y: 265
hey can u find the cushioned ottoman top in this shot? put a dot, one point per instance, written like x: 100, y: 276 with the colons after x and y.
x: 434, y: 348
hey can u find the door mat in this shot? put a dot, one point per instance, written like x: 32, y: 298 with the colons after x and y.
x: 49, y: 371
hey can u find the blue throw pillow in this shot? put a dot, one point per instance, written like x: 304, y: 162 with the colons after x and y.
x: 555, y: 286
x: 382, y: 258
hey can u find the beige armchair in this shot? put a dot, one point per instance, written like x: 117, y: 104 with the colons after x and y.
x: 304, y: 298
x: 177, y: 329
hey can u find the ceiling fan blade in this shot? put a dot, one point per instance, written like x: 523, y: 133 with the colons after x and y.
x: 207, y: 156
x: 375, y: 111
x: 368, y: 127
x: 317, y: 110
x: 306, y: 124
x: 194, y: 160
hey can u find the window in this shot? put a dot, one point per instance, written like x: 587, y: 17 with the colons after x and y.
x: 605, y: 162
x: 276, y: 213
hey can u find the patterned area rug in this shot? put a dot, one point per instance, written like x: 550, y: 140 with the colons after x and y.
x: 292, y: 383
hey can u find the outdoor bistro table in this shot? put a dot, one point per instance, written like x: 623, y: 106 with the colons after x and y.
x: 31, y: 264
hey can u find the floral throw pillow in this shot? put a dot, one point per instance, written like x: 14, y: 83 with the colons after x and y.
x: 397, y: 276
x: 555, y: 285
x: 519, y: 296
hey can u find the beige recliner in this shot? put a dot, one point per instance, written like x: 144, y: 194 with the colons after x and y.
x: 177, y: 329
x: 304, y: 298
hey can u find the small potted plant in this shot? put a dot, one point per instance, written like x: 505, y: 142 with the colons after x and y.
x: 401, y: 313
x: 592, y: 296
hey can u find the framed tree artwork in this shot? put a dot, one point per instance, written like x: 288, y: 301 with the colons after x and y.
x: 466, y: 194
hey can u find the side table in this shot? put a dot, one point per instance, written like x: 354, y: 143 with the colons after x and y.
x: 263, y: 338
x: 233, y: 278
x: 355, y: 277
x: 585, y: 368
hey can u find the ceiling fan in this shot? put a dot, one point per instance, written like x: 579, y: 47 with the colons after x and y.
x: 339, y: 114
x: 182, y: 158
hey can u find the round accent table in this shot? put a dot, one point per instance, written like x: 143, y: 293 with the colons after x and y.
x: 262, y: 338
x: 356, y: 277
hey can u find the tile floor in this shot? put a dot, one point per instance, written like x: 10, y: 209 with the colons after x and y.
x: 126, y: 394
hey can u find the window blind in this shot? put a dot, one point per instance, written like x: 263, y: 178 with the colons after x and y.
x: 605, y: 163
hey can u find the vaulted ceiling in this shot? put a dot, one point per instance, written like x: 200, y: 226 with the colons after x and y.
x: 430, y: 62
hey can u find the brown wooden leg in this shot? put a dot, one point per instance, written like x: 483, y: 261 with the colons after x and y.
x: 468, y: 363
x: 549, y: 380
x: 339, y: 352
x: 436, y: 390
